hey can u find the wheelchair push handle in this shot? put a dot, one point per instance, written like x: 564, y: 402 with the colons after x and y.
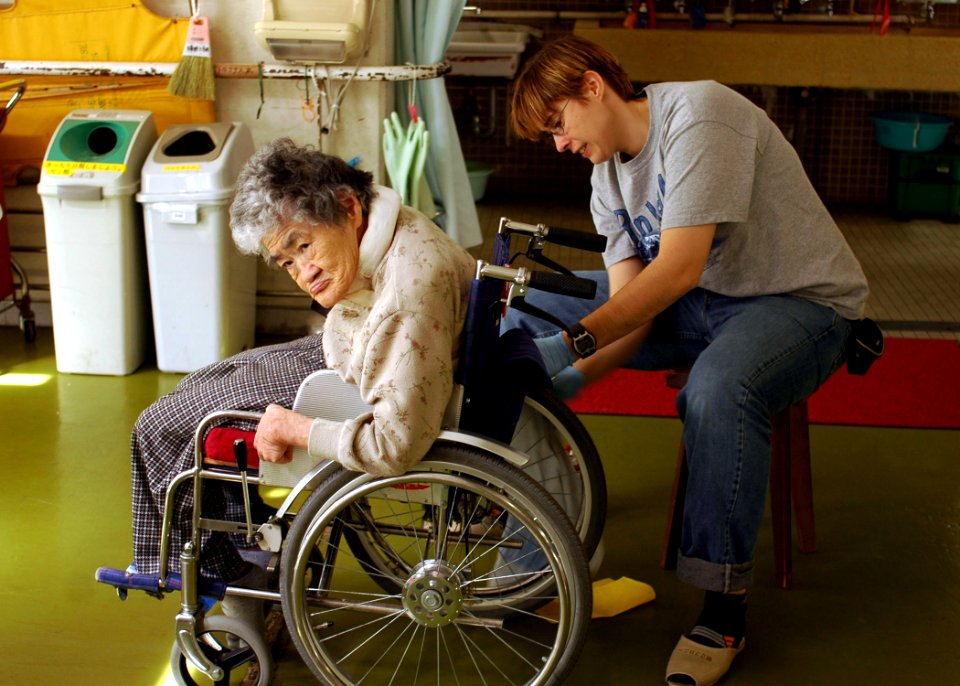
x: 581, y: 240
x: 541, y: 233
x: 522, y: 279
x: 563, y: 284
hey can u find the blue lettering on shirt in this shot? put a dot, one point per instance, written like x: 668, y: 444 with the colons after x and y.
x: 644, y: 230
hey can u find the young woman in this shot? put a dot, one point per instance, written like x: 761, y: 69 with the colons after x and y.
x: 720, y: 257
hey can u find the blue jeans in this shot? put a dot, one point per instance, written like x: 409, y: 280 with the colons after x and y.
x: 749, y: 358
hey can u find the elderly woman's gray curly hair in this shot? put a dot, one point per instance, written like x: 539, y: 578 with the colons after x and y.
x: 284, y: 182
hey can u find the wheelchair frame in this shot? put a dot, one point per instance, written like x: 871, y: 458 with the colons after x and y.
x: 547, y: 523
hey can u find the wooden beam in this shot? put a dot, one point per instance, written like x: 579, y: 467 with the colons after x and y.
x: 786, y: 55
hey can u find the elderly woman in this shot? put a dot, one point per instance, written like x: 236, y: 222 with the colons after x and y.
x: 396, y: 288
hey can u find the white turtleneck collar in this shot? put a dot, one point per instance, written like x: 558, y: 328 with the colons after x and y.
x: 381, y: 224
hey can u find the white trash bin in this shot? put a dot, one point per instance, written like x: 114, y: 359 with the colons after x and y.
x: 94, y: 240
x: 202, y: 289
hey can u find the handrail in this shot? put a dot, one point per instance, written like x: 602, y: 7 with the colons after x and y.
x: 745, y: 17
x: 400, y: 72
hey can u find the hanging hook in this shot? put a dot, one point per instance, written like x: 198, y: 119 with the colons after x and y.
x: 323, y: 99
x: 194, y: 8
x: 260, y: 81
x: 307, y: 109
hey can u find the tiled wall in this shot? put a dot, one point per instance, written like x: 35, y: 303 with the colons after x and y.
x: 830, y: 128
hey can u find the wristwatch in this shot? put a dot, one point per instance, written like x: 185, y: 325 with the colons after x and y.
x: 584, y: 342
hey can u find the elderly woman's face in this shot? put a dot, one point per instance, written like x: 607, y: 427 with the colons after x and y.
x: 322, y: 260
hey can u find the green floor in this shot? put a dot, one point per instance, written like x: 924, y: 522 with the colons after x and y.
x: 878, y: 603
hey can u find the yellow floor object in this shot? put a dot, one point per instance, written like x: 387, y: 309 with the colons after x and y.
x: 611, y: 598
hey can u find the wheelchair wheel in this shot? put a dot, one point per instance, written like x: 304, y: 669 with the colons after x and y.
x: 458, y: 615
x: 565, y: 461
x: 230, y: 644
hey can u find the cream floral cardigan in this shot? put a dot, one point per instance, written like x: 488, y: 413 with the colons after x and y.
x: 397, y: 337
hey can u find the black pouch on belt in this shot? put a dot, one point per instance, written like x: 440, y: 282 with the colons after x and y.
x: 864, y: 346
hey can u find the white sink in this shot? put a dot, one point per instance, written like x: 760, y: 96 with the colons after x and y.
x: 487, y: 49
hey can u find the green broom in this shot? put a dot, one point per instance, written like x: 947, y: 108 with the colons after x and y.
x: 194, y: 76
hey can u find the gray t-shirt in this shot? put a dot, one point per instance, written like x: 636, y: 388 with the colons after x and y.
x: 712, y: 156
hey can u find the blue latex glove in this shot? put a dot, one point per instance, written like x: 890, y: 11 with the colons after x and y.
x: 568, y: 382
x: 554, y: 351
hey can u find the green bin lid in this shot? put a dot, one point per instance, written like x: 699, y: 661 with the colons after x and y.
x: 99, y: 147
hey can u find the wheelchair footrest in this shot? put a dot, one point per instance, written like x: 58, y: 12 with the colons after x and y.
x: 150, y: 583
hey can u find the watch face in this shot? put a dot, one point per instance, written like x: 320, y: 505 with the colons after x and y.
x: 584, y: 343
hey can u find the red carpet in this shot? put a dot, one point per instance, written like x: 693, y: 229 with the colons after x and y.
x: 915, y: 384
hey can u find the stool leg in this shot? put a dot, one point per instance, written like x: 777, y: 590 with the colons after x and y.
x: 671, y: 544
x: 802, y: 479
x: 780, y: 499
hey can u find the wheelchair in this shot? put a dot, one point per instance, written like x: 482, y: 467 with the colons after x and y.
x: 472, y: 567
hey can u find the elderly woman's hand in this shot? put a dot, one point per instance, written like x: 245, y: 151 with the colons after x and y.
x: 279, y: 432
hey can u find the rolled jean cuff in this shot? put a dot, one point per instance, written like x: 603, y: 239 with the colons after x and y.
x: 712, y: 576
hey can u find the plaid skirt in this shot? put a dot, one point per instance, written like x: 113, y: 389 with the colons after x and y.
x: 162, y: 446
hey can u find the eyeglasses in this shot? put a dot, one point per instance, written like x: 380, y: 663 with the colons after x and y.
x: 558, y: 127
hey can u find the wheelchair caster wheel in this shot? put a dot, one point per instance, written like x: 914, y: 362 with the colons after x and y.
x: 29, y: 329
x: 232, y: 645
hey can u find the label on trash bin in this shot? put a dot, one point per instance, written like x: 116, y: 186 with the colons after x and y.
x: 63, y: 168
x: 180, y: 167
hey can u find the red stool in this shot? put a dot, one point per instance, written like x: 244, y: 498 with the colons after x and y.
x: 790, y: 480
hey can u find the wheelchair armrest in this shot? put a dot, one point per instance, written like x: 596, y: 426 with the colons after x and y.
x: 325, y: 394
x: 322, y: 394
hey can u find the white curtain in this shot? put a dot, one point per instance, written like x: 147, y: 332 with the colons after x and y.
x: 424, y: 29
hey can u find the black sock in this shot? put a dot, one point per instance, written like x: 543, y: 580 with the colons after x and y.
x: 723, y: 621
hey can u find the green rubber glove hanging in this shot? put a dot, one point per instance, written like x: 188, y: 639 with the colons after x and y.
x: 404, y: 154
x: 392, y: 136
x: 420, y: 196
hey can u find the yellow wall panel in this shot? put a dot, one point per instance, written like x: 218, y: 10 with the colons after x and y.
x: 87, y: 31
